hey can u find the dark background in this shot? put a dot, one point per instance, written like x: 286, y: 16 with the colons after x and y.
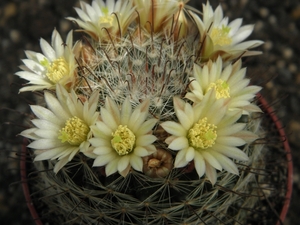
x: 23, y: 22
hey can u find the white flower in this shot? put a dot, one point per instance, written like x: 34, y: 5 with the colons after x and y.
x: 218, y: 37
x: 102, y: 18
x: 208, y: 135
x: 123, y: 137
x: 229, y: 83
x: 55, y: 66
x: 64, y: 129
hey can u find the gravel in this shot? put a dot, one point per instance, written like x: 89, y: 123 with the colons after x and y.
x: 23, y: 22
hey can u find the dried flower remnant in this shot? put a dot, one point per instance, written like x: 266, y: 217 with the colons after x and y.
x: 158, y: 164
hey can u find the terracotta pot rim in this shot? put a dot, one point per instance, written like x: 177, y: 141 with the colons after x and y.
x: 25, y: 187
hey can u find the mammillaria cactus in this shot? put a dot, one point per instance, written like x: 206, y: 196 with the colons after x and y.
x: 150, y: 119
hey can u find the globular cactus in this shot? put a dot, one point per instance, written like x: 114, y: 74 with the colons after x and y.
x: 150, y: 119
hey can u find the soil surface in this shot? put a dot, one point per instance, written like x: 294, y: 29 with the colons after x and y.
x: 23, y: 22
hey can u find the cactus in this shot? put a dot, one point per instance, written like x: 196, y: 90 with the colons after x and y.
x: 149, y: 119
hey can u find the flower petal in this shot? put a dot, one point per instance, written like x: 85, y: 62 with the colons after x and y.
x: 100, y: 142
x: 112, y: 167
x: 55, y: 106
x: 226, y: 163
x: 173, y: 128
x: 49, y: 154
x: 231, y: 152
x: 47, y: 50
x: 103, y: 150
x: 190, y: 154
x: 180, y: 159
x: 123, y: 162
x: 145, y: 140
x: 108, y: 119
x: 60, y: 164
x: 209, y: 158
x: 45, y: 114
x: 126, y: 112
x: 136, y: 162
x: 230, y: 141
x: 179, y: 143
x: 199, y: 164
x: 45, y: 144
x: 104, y: 159
x: 45, y: 124
x: 210, y: 173
x: 141, y: 151
x: 113, y: 110
x: 146, y: 127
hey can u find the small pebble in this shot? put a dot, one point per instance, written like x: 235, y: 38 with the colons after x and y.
x: 264, y: 12
x: 294, y: 101
x: 10, y: 10
x: 65, y: 26
x: 15, y: 36
x: 280, y: 64
x: 259, y: 25
x: 287, y: 53
x: 272, y: 20
x: 284, y: 76
x: 296, y: 13
x: 268, y: 45
x: 292, y: 68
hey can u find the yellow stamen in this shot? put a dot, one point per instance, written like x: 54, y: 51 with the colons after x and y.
x: 75, y: 131
x: 220, y: 36
x: 57, y: 70
x: 221, y: 87
x: 106, y: 19
x: 202, y: 135
x: 123, y: 140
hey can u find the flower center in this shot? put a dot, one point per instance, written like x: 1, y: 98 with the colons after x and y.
x: 57, y: 70
x: 106, y: 19
x: 220, y: 37
x: 75, y: 131
x: 202, y: 135
x: 123, y: 140
x: 221, y: 87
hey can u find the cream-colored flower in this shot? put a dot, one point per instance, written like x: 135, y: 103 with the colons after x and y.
x: 220, y: 38
x: 56, y: 65
x: 123, y: 137
x: 62, y: 130
x: 100, y: 18
x: 207, y: 134
x: 159, y: 15
x: 229, y: 83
